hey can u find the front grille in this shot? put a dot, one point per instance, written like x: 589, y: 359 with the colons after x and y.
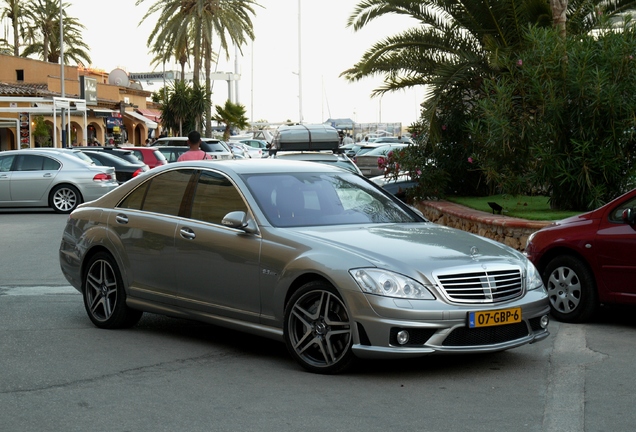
x: 490, y: 286
x: 465, y: 336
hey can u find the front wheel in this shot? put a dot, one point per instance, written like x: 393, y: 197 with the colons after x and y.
x: 571, y: 289
x: 104, y: 295
x: 317, y: 329
x: 64, y: 198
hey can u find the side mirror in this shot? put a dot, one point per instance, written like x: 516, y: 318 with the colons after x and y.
x: 629, y: 216
x: 240, y: 220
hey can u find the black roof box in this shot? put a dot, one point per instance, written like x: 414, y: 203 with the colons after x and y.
x: 307, y: 137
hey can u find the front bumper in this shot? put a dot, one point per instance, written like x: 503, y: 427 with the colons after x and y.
x: 436, y: 327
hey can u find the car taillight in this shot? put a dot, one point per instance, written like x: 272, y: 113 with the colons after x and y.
x: 103, y: 177
x: 136, y: 173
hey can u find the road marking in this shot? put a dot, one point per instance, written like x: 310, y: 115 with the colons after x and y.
x: 37, y: 290
x: 565, y: 399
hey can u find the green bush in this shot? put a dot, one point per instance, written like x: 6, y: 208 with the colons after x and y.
x: 562, y: 121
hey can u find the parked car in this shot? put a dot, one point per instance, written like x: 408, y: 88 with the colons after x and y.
x: 300, y: 252
x: 240, y: 150
x: 216, y: 148
x: 259, y: 147
x: 151, y: 156
x: 392, y: 140
x: 56, y: 178
x: 126, y: 155
x: 397, y: 186
x: 328, y: 158
x: 124, y: 170
x: 370, y: 162
x: 588, y: 259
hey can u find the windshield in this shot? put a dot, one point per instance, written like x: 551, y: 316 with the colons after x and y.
x: 319, y: 199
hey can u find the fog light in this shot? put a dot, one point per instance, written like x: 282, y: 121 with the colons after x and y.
x: 545, y: 320
x: 402, y: 337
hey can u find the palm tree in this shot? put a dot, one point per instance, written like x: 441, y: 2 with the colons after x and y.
x: 13, y: 11
x: 43, y: 33
x: 232, y: 116
x: 189, y: 25
x: 458, y: 42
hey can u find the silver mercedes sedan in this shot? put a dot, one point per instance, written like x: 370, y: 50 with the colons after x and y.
x: 57, y: 178
x: 308, y: 254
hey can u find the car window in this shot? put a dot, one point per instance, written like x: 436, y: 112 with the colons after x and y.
x: 162, y: 194
x: 213, y: 146
x: 30, y: 163
x: 215, y: 196
x: 617, y: 214
x: 306, y: 199
x: 6, y: 162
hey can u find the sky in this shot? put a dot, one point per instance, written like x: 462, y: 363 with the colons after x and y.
x: 269, y: 84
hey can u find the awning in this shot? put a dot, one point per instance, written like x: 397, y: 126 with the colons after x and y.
x: 149, y: 123
x: 102, y: 112
x: 152, y: 114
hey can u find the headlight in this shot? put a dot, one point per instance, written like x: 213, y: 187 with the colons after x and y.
x: 390, y: 284
x: 533, y: 278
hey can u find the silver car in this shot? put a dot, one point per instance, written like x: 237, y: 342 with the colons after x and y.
x: 300, y: 252
x: 328, y: 158
x: 56, y: 178
x: 369, y: 162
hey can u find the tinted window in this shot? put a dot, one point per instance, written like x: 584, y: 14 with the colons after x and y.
x: 30, y: 163
x: 213, y: 146
x: 161, y: 194
x: 6, y: 162
x: 215, y: 196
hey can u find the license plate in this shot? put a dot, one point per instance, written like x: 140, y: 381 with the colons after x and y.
x: 494, y: 318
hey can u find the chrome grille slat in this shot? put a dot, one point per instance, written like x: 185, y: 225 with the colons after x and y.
x: 488, y: 286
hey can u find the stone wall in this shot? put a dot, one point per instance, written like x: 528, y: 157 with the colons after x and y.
x: 511, y: 231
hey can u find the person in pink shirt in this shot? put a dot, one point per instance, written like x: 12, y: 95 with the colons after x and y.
x: 195, y: 153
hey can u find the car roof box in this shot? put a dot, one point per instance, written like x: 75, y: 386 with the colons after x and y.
x: 306, y: 137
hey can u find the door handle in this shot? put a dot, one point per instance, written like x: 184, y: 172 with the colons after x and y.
x: 187, y: 233
x: 47, y: 175
x: 122, y: 219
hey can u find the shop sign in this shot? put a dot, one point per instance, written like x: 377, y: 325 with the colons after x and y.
x: 25, y: 130
x: 112, y: 122
x: 88, y: 90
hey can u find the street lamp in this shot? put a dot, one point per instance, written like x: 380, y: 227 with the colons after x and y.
x: 300, y: 76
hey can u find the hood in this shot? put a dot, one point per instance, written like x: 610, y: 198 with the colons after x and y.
x: 422, y: 246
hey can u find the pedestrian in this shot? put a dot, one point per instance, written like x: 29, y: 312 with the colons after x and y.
x: 195, y: 152
x: 347, y: 140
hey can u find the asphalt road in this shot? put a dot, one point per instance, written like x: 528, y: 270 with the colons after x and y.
x: 60, y: 373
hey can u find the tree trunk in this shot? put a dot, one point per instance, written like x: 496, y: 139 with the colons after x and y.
x: 208, y: 87
x: 16, y: 37
x: 559, y: 15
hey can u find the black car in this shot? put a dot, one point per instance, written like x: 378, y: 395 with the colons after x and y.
x: 124, y: 170
x: 126, y: 155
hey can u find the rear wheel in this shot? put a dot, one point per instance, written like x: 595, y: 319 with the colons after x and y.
x: 318, y: 329
x: 104, y: 295
x: 64, y: 198
x: 571, y: 289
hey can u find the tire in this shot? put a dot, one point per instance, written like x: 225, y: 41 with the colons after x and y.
x: 571, y: 289
x: 104, y: 294
x: 318, y: 329
x: 64, y: 198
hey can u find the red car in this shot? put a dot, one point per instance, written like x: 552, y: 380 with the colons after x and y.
x: 588, y: 259
x: 151, y: 156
